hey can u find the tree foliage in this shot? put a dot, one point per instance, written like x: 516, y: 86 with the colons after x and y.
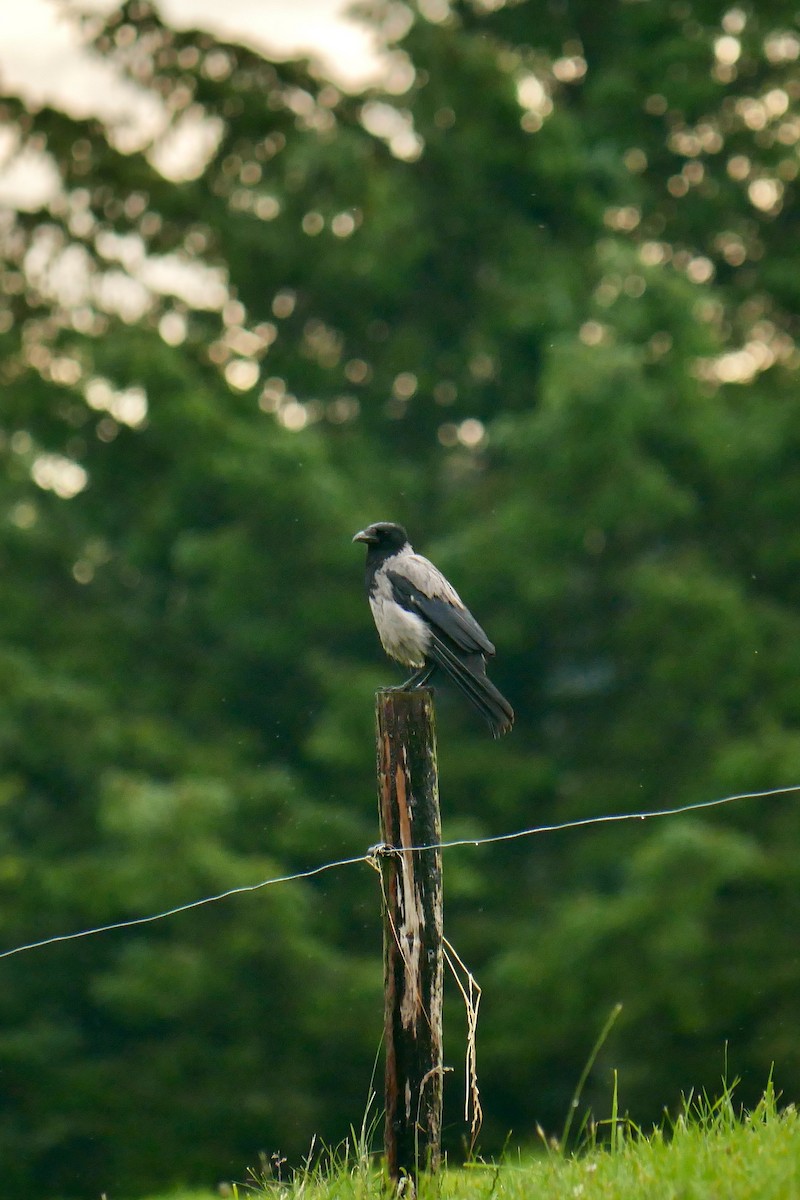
x: 537, y: 300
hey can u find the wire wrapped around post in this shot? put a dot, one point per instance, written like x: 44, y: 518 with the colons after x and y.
x: 408, y: 793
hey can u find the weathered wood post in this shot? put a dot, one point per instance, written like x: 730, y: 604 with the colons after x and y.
x: 408, y: 792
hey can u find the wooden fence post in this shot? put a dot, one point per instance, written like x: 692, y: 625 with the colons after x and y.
x: 408, y: 792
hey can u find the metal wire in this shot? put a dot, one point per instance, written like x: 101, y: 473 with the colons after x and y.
x: 375, y: 851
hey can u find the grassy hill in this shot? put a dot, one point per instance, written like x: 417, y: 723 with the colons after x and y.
x: 712, y: 1151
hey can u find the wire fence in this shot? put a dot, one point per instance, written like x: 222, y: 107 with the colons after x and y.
x: 371, y: 854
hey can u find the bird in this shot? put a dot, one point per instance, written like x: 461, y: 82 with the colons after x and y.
x: 422, y: 622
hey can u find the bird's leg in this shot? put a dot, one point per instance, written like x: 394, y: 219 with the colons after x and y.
x: 420, y: 677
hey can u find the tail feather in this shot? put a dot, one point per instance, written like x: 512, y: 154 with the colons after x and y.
x: 469, y: 674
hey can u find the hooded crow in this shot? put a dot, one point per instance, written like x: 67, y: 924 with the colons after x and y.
x: 423, y: 623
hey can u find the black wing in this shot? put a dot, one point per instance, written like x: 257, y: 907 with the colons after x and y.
x: 454, y: 622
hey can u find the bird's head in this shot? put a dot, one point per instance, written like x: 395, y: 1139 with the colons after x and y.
x: 384, y: 536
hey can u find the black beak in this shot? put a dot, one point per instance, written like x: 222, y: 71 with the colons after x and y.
x: 364, y: 535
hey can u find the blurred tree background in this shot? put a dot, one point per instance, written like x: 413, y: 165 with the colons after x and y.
x: 537, y: 299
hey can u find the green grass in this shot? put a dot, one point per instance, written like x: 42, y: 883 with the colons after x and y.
x: 712, y: 1151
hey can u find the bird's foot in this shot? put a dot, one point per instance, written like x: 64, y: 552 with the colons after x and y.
x: 417, y: 680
